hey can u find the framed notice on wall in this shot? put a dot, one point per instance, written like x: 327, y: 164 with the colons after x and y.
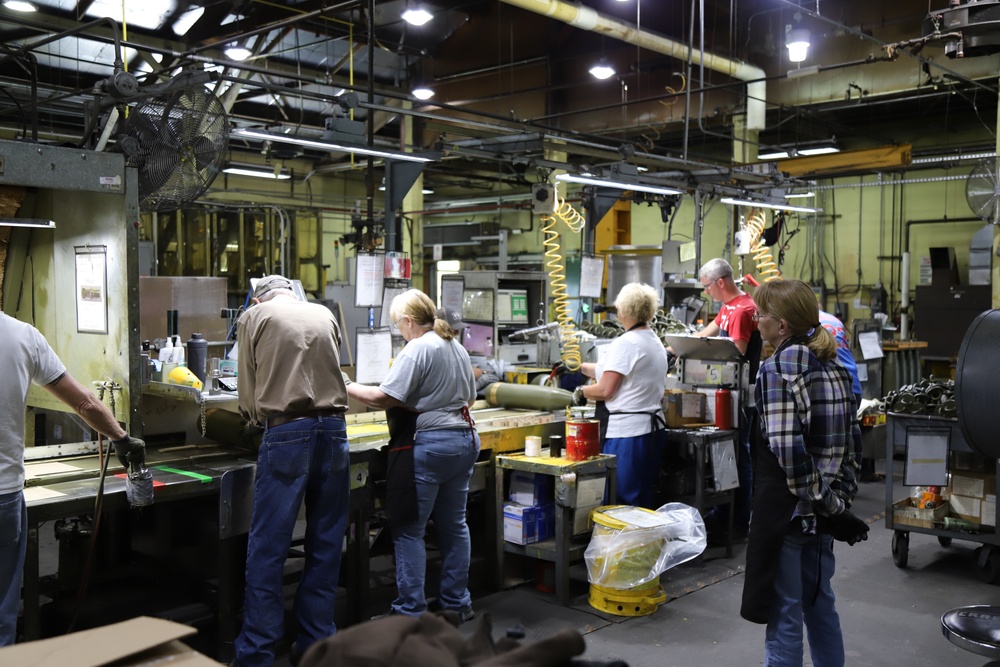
x: 92, y: 289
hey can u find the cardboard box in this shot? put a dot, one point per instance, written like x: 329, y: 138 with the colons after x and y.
x: 972, y: 483
x: 530, y: 489
x: 681, y: 408
x: 138, y: 641
x: 904, y: 512
x: 989, y: 510
x: 969, y: 509
x: 545, y: 521
x: 581, y: 519
x: 520, y: 523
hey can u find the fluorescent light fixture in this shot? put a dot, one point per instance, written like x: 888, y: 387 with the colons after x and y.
x: 638, y: 187
x: 417, y: 16
x: 423, y: 93
x: 799, y: 195
x: 246, y: 133
x: 772, y: 155
x: 426, y: 191
x: 27, y: 222
x: 819, y: 150
x: 258, y: 173
x: 238, y: 53
x: 763, y: 204
x: 19, y: 6
x: 602, y: 70
x: 797, y: 41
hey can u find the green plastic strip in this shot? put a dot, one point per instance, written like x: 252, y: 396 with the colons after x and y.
x: 205, y: 479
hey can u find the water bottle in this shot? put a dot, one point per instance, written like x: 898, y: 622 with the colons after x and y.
x: 197, y: 354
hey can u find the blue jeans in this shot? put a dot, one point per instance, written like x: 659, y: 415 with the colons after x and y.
x: 308, y: 460
x: 638, y: 468
x: 802, y: 592
x: 442, y: 462
x: 13, y: 541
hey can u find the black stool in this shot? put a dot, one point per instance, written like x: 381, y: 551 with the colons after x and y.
x: 975, y: 628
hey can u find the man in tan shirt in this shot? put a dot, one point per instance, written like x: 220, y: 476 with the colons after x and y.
x: 290, y: 384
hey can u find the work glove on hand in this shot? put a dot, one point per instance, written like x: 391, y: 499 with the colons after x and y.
x: 131, y: 453
x: 844, y: 527
x: 559, y: 368
x: 578, y: 397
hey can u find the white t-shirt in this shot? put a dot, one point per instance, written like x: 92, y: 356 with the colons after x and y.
x: 26, y: 357
x: 641, y: 358
x: 434, y: 377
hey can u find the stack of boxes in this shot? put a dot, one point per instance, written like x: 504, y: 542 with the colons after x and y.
x: 972, y: 496
x: 530, y: 515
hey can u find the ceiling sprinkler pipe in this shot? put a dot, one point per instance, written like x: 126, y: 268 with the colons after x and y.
x: 588, y: 19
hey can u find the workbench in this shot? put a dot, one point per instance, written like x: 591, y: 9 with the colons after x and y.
x: 567, y: 475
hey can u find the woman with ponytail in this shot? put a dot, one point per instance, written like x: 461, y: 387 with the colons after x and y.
x: 806, y: 454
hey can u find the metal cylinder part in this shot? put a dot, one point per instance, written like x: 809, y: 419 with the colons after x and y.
x: 977, y: 392
x: 230, y: 429
x: 527, y: 396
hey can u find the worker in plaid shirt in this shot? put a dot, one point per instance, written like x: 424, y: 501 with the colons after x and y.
x: 806, y: 458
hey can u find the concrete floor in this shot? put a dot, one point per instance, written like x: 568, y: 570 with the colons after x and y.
x: 890, y: 616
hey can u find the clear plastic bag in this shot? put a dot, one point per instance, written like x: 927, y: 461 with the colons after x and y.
x: 632, y: 546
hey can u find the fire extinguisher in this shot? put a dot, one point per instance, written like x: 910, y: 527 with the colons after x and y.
x: 723, y: 409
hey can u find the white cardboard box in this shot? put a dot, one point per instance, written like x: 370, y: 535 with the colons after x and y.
x: 530, y: 489
x: 966, y: 508
x: 989, y: 510
x: 520, y: 523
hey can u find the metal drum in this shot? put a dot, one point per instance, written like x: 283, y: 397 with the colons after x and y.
x: 977, y: 389
x: 583, y: 439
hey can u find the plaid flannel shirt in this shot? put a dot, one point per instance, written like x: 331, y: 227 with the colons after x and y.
x: 808, y: 417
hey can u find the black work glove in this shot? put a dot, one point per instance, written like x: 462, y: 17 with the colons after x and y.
x: 578, y: 397
x: 671, y: 360
x: 559, y: 368
x: 131, y: 453
x: 844, y: 527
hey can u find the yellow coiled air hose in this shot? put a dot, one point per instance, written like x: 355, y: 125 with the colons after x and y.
x: 556, y: 266
x: 766, y: 266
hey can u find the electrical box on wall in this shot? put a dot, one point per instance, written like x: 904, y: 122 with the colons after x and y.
x: 543, y: 198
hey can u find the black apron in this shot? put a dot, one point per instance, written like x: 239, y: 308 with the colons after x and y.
x: 772, y: 510
x: 400, y: 484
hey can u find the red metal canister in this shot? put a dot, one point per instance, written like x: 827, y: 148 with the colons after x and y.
x: 723, y: 410
x: 583, y: 439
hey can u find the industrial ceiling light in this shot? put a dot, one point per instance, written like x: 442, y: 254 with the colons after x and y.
x: 422, y: 92
x: 417, y: 16
x: 733, y: 201
x: 27, y: 222
x: 275, y: 174
x: 619, y: 185
x: 819, y: 150
x: 238, y: 53
x: 602, y: 70
x: 247, y: 133
x: 772, y: 155
x: 19, y: 6
x: 800, y: 195
x: 797, y: 41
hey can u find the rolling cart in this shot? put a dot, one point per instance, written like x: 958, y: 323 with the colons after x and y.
x: 904, y: 520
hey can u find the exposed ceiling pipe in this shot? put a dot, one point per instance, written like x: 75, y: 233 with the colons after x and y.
x: 585, y: 18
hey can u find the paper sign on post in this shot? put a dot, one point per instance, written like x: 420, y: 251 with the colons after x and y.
x: 871, y: 345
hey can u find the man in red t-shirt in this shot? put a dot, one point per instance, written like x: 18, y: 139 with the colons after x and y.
x: 735, y: 321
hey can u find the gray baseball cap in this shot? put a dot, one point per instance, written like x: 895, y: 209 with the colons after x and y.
x: 269, y: 283
x: 453, y: 318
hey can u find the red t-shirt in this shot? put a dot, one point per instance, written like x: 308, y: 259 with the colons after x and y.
x: 735, y: 318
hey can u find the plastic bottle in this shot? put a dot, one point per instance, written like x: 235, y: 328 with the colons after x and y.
x: 723, y: 409
x: 197, y: 354
x: 166, y: 354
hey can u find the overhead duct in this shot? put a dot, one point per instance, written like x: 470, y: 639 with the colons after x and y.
x: 585, y: 18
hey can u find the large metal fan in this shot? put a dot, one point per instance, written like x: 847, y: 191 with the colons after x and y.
x: 982, y: 190
x: 182, y: 139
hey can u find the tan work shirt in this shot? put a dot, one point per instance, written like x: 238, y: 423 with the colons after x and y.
x: 289, y: 360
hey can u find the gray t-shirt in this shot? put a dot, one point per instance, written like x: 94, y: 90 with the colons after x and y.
x: 26, y: 357
x: 434, y: 377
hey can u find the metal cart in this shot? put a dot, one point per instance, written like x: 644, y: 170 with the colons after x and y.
x: 987, y: 555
